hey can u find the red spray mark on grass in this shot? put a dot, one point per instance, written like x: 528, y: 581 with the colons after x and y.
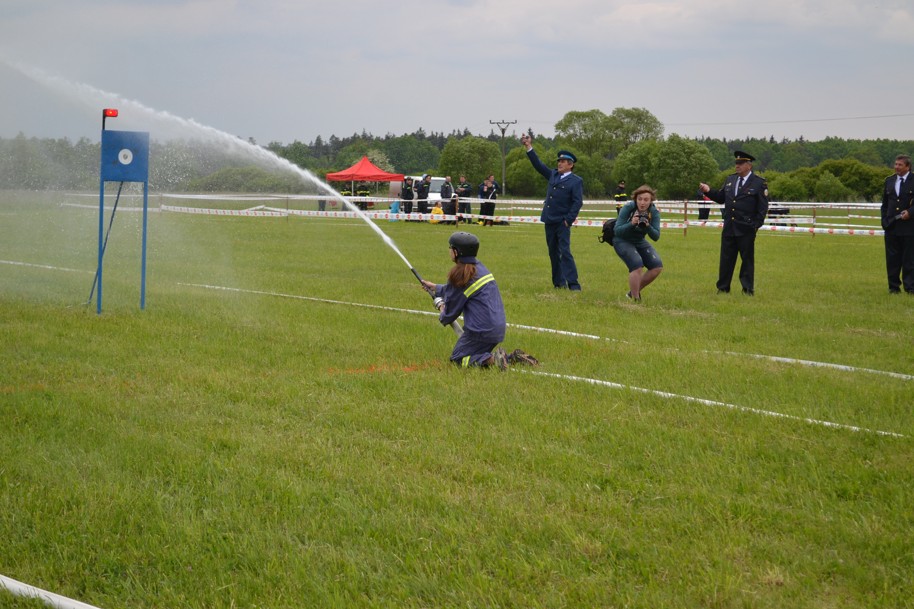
x: 387, y: 367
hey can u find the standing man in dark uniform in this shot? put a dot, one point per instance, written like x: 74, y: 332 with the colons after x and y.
x: 897, y: 201
x: 407, y: 194
x: 620, y: 196
x: 745, y: 200
x: 422, y: 189
x: 464, y: 191
x: 564, y: 198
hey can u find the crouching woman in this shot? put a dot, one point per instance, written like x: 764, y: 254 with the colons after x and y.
x: 638, y: 219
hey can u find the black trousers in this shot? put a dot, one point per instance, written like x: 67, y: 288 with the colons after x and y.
x: 730, y: 247
x: 899, y: 261
x: 464, y: 207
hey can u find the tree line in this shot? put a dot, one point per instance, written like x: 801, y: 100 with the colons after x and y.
x: 627, y: 144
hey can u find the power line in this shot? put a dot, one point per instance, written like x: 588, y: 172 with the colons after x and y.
x: 803, y: 120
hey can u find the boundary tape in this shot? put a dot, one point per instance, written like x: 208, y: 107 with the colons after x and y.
x: 18, y: 588
x: 774, y: 358
x: 706, y: 402
x: 610, y: 384
x: 591, y: 337
x: 43, y: 266
x: 263, y: 211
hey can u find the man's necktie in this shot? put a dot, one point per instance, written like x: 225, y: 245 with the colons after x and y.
x: 898, y: 185
x: 739, y: 185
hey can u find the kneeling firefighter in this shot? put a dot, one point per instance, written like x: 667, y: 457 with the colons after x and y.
x: 471, y: 291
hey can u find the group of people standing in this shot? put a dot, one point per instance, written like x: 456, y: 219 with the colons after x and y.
x: 471, y: 289
x: 454, y: 200
x: 744, y: 197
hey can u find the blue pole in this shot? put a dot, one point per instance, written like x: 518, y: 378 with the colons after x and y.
x: 143, y: 266
x: 101, y: 232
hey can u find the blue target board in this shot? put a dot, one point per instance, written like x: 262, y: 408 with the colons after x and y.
x: 125, y: 156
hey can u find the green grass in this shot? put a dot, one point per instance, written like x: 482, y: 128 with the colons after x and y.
x: 243, y: 449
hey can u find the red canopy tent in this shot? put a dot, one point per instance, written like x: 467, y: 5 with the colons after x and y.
x: 364, y: 171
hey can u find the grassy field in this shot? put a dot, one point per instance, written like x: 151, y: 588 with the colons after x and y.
x: 276, y: 445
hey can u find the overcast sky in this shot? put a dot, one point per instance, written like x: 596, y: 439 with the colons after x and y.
x: 285, y: 70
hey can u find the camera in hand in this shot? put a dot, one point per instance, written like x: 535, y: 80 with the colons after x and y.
x: 642, y: 220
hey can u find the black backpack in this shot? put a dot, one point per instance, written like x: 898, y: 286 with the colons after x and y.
x: 608, y: 231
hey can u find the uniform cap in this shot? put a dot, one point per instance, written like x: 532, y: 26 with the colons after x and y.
x: 564, y: 154
x: 743, y: 156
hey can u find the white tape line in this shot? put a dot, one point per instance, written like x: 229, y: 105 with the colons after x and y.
x: 44, y: 266
x: 665, y: 394
x: 688, y: 398
x: 773, y: 358
x: 55, y: 600
x: 806, y: 362
x: 580, y: 222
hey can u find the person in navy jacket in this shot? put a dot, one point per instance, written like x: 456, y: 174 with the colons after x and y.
x: 564, y: 198
x: 471, y: 291
x: 897, y: 209
x: 745, y: 200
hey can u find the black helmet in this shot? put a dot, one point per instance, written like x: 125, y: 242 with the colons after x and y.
x: 466, y: 244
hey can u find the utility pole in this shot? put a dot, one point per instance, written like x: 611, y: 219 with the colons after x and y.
x: 503, y: 125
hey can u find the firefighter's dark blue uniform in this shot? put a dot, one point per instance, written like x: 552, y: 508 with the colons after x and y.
x: 483, y: 315
x: 744, y: 214
x: 899, y: 234
x: 564, y: 198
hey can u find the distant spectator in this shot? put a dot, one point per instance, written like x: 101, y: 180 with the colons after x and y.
x: 447, y: 189
x: 488, y: 192
x: 620, y: 195
x: 465, y: 192
x: 495, y: 183
x: 436, y: 211
x: 407, y: 195
x: 422, y: 189
x: 450, y: 208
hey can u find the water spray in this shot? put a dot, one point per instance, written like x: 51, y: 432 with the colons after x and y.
x: 90, y: 96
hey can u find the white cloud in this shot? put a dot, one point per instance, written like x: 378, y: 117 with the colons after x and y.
x: 339, y: 67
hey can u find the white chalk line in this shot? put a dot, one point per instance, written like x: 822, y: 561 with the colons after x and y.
x: 574, y: 335
x: 773, y: 358
x: 706, y: 402
x: 814, y: 364
x: 577, y: 378
x: 43, y: 266
x: 55, y: 600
